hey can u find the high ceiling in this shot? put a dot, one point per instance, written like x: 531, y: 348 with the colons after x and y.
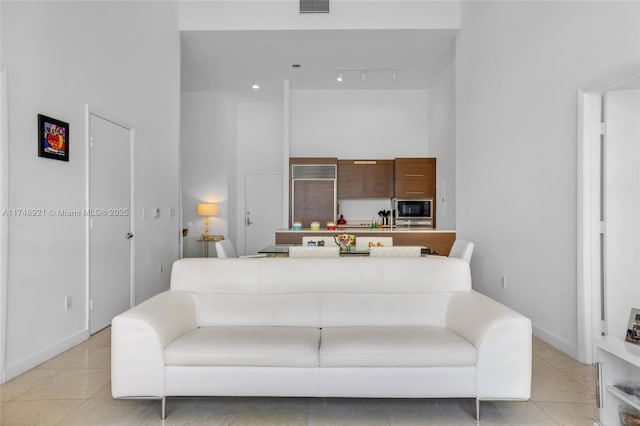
x: 234, y: 60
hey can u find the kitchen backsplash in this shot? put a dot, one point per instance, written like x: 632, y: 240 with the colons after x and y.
x: 362, y: 212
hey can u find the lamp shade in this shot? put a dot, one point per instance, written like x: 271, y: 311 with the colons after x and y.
x: 207, y: 209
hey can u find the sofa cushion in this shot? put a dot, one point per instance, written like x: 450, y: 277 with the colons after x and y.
x: 246, y: 346
x: 394, y: 347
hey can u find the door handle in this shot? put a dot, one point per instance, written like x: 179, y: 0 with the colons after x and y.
x: 249, y: 223
x: 128, y: 236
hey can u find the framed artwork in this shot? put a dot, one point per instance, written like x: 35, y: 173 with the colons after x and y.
x: 633, y: 330
x: 53, y: 138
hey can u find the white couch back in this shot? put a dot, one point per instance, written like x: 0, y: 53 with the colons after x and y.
x: 321, y: 292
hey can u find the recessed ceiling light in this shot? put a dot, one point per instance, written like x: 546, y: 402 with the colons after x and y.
x: 255, y: 87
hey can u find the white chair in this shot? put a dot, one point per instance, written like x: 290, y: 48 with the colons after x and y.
x: 397, y: 251
x: 462, y: 249
x: 304, y: 251
x: 225, y: 248
x: 362, y: 243
x: 328, y: 241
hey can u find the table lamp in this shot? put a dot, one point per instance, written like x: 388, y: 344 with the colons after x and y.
x: 207, y: 210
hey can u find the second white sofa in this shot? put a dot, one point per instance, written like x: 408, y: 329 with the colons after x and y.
x: 335, y: 327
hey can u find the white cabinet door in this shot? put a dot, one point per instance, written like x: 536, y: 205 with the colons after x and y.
x: 111, y: 227
x: 263, y: 211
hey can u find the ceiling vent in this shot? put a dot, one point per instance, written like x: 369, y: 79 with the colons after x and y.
x: 314, y: 6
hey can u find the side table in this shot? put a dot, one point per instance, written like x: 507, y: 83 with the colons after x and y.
x: 206, y: 240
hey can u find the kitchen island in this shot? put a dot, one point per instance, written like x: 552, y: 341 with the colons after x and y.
x: 438, y: 240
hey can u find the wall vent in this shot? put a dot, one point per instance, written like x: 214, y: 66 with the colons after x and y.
x: 314, y: 6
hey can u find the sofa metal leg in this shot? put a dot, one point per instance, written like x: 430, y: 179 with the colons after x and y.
x: 478, y: 409
x: 163, y: 413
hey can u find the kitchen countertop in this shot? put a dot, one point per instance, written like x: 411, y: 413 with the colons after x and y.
x: 398, y: 229
x: 438, y: 240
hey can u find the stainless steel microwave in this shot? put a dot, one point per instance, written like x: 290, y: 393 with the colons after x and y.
x: 414, y: 211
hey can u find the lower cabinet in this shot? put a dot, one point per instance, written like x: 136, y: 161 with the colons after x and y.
x: 439, y: 241
x: 617, y: 366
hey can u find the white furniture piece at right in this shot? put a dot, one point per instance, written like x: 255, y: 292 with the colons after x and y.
x: 616, y: 362
x: 462, y: 250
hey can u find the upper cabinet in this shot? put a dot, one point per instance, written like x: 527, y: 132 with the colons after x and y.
x: 365, y: 179
x: 415, y: 178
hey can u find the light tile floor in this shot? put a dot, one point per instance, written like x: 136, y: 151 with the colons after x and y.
x: 74, y: 389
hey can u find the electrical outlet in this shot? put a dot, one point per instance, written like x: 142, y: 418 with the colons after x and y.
x: 144, y: 212
x: 156, y: 212
x: 503, y: 282
x: 67, y: 303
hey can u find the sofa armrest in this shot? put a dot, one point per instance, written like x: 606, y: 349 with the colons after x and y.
x: 138, y: 339
x: 502, y: 338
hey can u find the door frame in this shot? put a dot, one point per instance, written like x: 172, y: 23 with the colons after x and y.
x: 90, y: 111
x: 4, y: 220
x: 589, y: 181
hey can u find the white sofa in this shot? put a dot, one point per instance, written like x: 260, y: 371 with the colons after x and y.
x: 333, y: 327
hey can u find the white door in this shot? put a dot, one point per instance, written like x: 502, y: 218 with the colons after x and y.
x: 621, y: 208
x: 263, y: 211
x: 110, y: 223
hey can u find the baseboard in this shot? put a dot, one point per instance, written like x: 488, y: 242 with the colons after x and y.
x: 558, y: 343
x: 56, y: 349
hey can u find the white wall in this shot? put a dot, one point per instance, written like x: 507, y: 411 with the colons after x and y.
x: 208, y: 135
x: 409, y: 135
x: 260, y: 148
x: 345, y: 14
x: 374, y: 124
x: 442, y: 145
x: 518, y: 66
x: 121, y: 58
x: 225, y: 136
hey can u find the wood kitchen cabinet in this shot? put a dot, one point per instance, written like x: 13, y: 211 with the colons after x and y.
x: 440, y: 241
x: 313, y: 201
x: 415, y: 178
x: 365, y: 179
x: 312, y: 190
